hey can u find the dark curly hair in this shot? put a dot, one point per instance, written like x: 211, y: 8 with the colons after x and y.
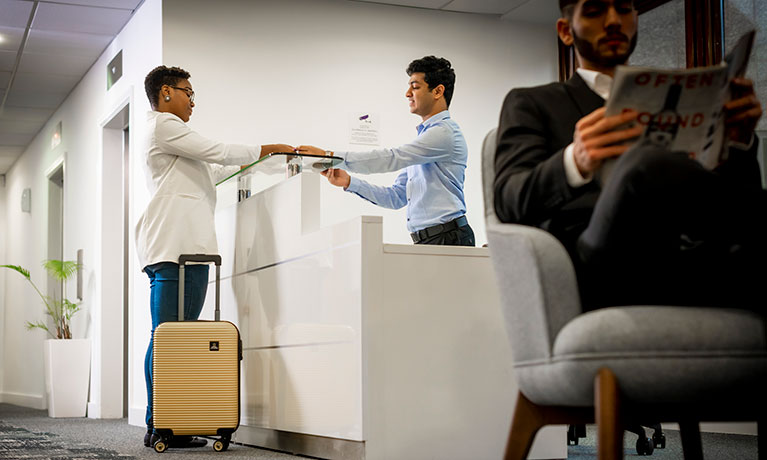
x: 567, y: 7
x: 437, y: 71
x: 160, y: 76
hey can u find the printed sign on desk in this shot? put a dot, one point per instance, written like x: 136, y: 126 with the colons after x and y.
x: 363, y: 129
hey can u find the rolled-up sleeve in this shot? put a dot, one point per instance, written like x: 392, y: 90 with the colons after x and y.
x: 393, y: 197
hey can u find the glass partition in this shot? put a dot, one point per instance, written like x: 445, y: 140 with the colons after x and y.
x: 661, y: 37
x: 739, y: 17
x: 287, y: 163
x: 273, y: 168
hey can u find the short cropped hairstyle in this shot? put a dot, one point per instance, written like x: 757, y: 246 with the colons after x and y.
x: 160, y: 76
x: 566, y: 7
x: 437, y: 71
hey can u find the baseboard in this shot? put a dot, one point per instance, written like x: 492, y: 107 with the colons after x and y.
x: 136, y: 416
x: 730, y: 428
x: 94, y: 410
x: 715, y: 427
x: 24, y: 400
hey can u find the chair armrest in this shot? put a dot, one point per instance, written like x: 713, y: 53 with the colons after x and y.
x: 537, y: 285
x: 488, y: 174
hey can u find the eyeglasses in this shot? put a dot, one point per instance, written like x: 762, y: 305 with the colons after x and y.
x: 189, y: 92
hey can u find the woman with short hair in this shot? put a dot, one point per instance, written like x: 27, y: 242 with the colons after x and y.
x: 182, y: 169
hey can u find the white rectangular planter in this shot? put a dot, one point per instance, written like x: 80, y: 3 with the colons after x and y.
x: 67, y: 374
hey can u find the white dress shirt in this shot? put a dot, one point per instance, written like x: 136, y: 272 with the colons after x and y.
x: 182, y: 181
x: 431, y: 184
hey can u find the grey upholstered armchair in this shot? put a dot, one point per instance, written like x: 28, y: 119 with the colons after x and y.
x: 620, y: 365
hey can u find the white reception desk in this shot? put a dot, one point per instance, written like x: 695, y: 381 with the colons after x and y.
x: 357, y: 349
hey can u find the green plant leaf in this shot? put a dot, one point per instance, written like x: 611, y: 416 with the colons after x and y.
x: 61, y: 270
x: 24, y: 272
x: 39, y: 325
x: 68, y: 309
x: 60, y: 311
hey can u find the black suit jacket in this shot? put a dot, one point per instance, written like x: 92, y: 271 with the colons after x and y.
x: 536, y: 126
x: 530, y: 187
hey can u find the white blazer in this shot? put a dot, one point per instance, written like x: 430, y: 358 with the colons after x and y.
x: 182, y: 181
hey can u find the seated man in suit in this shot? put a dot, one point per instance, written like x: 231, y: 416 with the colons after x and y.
x: 662, y: 230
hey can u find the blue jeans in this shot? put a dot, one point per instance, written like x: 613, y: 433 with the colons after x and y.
x: 163, y: 302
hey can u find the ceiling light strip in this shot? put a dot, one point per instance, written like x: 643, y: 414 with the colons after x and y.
x: 18, y: 55
x: 70, y: 3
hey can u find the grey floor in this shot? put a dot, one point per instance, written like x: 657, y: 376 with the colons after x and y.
x: 119, y: 437
x: 716, y: 446
x: 125, y: 441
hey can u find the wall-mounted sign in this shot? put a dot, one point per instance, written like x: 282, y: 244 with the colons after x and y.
x: 26, y: 200
x: 364, y: 129
x: 114, y: 69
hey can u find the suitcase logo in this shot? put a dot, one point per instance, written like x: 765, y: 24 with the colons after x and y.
x: 213, y: 346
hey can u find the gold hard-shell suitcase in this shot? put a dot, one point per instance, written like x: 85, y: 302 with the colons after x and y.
x: 196, y: 373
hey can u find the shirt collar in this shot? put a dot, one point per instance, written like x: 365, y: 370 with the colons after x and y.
x: 437, y: 117
x: 598, y: 82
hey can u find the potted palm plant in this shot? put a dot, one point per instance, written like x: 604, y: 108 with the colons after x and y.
x: 67, y: 360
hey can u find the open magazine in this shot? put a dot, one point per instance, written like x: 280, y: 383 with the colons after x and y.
x: 681, y: 109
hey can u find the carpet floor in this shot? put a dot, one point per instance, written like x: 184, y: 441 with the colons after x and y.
x: 28, y: 434
x: 716, y: 446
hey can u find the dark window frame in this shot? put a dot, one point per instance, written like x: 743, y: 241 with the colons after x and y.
x: 704, y: 34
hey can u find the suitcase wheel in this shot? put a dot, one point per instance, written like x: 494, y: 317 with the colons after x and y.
x: 221, y: 445
x: 160, y: 446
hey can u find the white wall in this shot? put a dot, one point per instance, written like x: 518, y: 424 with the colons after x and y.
x: 25, y: 245
x: 292, y: 71
x: 3, y: 230
x: 283, y: 71
x: 81, y: 114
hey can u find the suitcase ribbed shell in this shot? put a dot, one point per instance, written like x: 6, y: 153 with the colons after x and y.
x: 196, y: 389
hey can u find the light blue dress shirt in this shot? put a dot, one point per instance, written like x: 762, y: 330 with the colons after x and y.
x: 431, y: 184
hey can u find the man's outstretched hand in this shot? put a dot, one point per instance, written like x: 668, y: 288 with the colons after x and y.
x: 337, y: 177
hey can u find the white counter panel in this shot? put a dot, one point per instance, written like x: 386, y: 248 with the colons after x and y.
x: 301, y: 338
x: 440, y: 378
x: 381, y: 351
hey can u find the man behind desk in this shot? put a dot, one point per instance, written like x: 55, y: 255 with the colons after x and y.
x: 431, y: 184
x: 663, y: 230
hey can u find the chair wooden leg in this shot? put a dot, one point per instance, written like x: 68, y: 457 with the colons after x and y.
x: 607, y: 413
x: 525, y: 423
x: 691, y: 445
x: 761, y: 441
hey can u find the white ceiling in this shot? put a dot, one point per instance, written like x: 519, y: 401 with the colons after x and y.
x: 45, y: 49
x: 532, y: 11
x: 47, y: 46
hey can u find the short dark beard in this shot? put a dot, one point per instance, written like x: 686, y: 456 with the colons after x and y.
x: 590, y: 54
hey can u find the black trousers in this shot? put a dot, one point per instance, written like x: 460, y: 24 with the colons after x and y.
x: 667, y: 231
x: 461, y: 236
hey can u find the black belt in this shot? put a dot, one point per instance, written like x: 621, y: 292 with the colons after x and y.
x: 435, y: 230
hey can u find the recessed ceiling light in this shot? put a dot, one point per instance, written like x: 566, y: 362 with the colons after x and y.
x: 2, y: 39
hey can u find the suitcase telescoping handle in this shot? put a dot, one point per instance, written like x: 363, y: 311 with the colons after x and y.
x: 204, y: 258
